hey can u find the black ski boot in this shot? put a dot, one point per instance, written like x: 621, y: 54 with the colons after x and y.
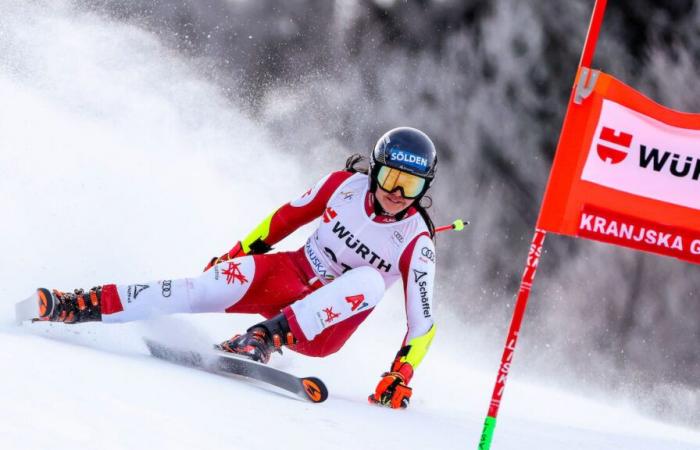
x: 70, y: 307
x: 261, y: 340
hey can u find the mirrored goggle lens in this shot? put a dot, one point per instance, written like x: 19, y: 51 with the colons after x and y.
x: 390, y: 179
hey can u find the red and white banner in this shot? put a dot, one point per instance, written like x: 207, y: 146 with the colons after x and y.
x: 627, y: 172
x: 640, y: 155
x: 615, y: 228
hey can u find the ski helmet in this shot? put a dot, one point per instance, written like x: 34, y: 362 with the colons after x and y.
x: 409, y: 151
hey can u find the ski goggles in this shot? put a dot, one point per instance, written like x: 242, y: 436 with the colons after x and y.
x: 389, y: 179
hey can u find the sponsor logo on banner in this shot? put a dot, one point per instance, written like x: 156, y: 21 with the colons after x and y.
x: 233, y: 273
x: 613, y: 146
x: 639, y: 155
x: 608, y: 226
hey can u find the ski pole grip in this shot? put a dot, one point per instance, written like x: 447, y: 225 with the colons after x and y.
x: 457, y: 225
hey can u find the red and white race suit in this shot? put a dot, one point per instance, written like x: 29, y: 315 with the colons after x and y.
x: 326, y: 288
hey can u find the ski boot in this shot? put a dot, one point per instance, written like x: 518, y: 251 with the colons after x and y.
x: 70, y: 307
x: 261, y: 340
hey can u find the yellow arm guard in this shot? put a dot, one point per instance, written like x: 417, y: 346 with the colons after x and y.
x: 411, y: 355
x: 255, y: 241
x: 417, y: 348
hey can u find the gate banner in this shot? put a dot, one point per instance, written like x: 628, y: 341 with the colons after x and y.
x: 626, y: 171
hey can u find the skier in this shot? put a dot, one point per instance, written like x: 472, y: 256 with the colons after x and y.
x: 372, y: 232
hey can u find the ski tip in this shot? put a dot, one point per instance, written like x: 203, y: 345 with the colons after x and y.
x: 35, y: 307
x: 314, y: 389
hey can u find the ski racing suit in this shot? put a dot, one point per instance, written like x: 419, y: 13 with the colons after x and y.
x: 325, y: 289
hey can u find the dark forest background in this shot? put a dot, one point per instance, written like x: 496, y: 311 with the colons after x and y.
x: 488, y: 80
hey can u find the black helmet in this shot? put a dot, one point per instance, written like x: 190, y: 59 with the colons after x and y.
x: 406, y: 149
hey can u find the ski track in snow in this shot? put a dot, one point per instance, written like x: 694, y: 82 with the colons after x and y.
x: 120, y: 164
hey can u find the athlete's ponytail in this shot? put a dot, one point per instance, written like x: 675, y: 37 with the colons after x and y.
x: 351, y: 164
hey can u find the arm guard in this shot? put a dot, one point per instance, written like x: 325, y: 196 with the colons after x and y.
x: 254, y: 243
x: 411, y: 355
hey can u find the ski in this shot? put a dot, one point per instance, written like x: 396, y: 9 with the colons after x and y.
x: 307, y: 388
x: 29, y: 308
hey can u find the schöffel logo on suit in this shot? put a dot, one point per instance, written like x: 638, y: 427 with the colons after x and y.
x: 642, y: 156
x: 424, y: 300
x: 408, y: 159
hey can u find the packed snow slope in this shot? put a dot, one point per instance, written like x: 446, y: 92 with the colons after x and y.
x: 118, y: 163
x: 95, y: 386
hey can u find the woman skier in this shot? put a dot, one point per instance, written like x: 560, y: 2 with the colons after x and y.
x: 372, y: 232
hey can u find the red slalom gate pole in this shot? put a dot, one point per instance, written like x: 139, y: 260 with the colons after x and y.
x: 526, y: 281
x: 593, y: 32
x: 533, y: 259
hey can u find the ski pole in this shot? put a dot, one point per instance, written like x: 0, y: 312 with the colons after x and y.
x: 457, y: 225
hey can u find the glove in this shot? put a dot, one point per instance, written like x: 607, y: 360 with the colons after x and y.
x: 392, y: 391
x: 235, y: 252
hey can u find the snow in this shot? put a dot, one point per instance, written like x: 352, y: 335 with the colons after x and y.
x: 118, y: 163
x: 95, y: 385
